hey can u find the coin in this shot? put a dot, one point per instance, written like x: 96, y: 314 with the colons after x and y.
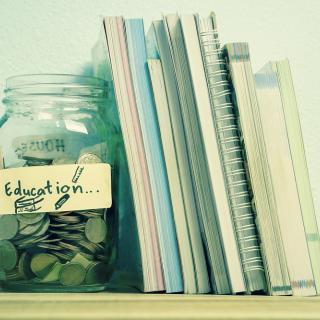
x: 29, y: 229
x: 59, y: 232
x: 24, y: 266
x: 32, y: 162
x: 72, y: 236
x: 53, y: 240
x: 30, y: 241
x: 63, y: 213
x: 61, y: 255
x: 42, y: 228
x: 61, y: 161
x: 79, y: 258
x: 89, y: 246
x: 67, y: 219
x: 58, y: 225
x: 72, y: 274
x: 30, y: 218
x: 88, y: 256
x: 42, y: 263
x: 96, y: 230
x: 9, y: 226
x: 96, y: 273
x: 49, y: 246
x: 8, y: 255
x: 90, y: 214
x: 69, y: 246
x: 75, y: 227
x: 88, y: 158
x: 53, y: 274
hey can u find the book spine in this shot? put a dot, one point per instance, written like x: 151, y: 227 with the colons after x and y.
x: 231, y: 152
x: 141, y: 190
x: 136, y: 46
x: 246, y: 106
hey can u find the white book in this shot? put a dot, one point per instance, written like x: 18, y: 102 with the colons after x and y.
x: 193, y: 263
x: 197, y: 156
x: 210, y: 140
x: 276, y: 94
x: 279, y: 220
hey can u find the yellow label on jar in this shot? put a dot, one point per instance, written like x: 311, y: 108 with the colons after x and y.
x: 55, y: 188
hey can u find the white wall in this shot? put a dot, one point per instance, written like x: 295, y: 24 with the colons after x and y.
x: 56, y: 36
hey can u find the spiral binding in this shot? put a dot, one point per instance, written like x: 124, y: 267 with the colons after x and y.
x: 231, y: 151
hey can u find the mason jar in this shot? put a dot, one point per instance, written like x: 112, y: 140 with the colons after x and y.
x: 58, y: 217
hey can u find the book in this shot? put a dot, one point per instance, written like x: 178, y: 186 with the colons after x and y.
x: 234, y: 176
x: 279, y: 221
x: 219, y: 198
x: 137, y: 54
x: 169, y: 37
x: 211, y: 148
x: 275, y: 90
x: 214, y: 253
x: 118, y: 62
x: 194, y: 269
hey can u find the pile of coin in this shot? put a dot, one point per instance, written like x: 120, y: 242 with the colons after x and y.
x: 71, y: 248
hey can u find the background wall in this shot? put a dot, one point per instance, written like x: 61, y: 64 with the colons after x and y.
x: 56, y: 36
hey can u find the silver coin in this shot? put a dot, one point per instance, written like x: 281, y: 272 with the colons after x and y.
x: 54, y: 240
x: 59, y: 214
x: 61, y: 255
x: 61, y: 161
x: 49, y: 246
x: 58, y: 225
x: 30, y: 218
x: 91, y: 214
x: 89, y: 246
x: 67, y: 219
x: 69, y: 246
x: 29, y: 229
x: 31, y: 162
x: 75, y: 227
x: 30, y: 241
x: 72, y: 236
x: 43, y: 228
x: 88, y: 158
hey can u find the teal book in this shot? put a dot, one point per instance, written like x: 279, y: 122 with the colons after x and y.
x: 137, y: 53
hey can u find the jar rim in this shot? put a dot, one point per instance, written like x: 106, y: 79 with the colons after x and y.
x: 48, y: 89
x: 53, y: 79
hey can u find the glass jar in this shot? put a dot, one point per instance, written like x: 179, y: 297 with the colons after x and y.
x: 54, y: 121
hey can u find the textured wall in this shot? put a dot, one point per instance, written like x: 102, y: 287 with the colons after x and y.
x: 56, y: 37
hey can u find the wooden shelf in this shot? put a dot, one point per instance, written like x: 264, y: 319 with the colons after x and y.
x: 142, y: 306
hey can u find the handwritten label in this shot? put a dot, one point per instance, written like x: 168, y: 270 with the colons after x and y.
x: 55, y: 188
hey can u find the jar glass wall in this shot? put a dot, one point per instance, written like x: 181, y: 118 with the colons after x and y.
x: 53, y: 120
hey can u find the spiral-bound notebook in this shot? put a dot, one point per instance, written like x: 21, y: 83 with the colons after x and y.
x: 232, y: 158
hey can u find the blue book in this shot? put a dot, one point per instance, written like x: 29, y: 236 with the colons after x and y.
x: 137, y: 53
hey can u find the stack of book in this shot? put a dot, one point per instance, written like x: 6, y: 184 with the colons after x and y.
x: 216, y: 161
